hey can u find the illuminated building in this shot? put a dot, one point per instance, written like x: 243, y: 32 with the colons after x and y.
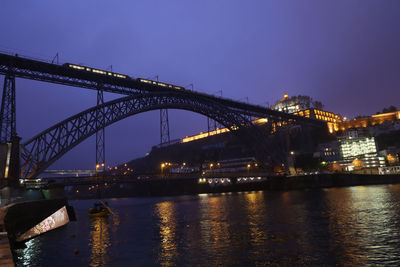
x: 295, y: 104
x: 304, y: 106
x: 389, y: 170
x: 353, y: 147
x: 364, y: 122
x: 204, y: 135
x: 329, y: 151
x: 298, y: 105
x: 289, y: 105
x: 333, y: 120
x: 368, y: 161
x: 360, y: 152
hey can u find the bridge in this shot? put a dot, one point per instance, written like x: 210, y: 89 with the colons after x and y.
x: 71, y: 172
x: 34, y: 156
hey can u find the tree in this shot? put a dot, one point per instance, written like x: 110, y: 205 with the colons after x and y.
x: 318, y: 105
x: 389, y: 109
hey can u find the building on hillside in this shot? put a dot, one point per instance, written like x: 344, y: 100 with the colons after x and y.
x: 392, y: 118
x: 305, y: 106
x: 360, y: 152
x: 202, y: 135
x: 329, y: 152
x: 295, y: 104
x: 353, y: 147
x: 331, y: 119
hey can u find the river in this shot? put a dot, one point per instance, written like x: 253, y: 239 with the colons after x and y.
x: 357, y: 225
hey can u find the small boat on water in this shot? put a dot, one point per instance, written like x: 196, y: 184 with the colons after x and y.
x: 99, y: 210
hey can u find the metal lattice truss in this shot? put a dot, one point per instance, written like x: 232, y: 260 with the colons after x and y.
x: 53, y: 73
x: 100, y: 135
x: 164, y: 127
x: 42, y: 150
x: 7, y: 111
x: 45, y: 148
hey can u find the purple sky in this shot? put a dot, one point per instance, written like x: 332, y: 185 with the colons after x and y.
x: 343, y: 53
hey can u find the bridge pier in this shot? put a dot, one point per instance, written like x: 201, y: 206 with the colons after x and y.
x: 8, y: 121
x: 10, y: 161
x: 100, y: 134
x: 9, y: 141
x: 164, y: 127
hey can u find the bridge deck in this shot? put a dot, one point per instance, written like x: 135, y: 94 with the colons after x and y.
x: 60, y: 74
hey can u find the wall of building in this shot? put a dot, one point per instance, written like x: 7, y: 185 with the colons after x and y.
x: 364, y: 122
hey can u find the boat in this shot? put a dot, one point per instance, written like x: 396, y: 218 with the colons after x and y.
x: 26, y: 220
x: 101, y: 213
x: 100, y: 209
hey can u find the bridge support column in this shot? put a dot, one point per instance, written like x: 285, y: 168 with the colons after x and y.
x: 9, y: 141
x: 210, y: 125
x: 10, y: 161
x: 290, y: 169
x: 8, y: 128
x: 164, y: 127
x: 100, y: 135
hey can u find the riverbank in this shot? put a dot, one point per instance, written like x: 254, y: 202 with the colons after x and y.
x: 6, y: 257
x: 192, y: 185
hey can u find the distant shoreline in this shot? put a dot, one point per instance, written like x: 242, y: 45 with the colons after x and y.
x: 191, y: 186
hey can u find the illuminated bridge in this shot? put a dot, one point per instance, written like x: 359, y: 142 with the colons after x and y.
x: 138, y: 95
x: 71, y: 172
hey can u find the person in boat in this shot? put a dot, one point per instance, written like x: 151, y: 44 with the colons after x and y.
x: 97, y: 207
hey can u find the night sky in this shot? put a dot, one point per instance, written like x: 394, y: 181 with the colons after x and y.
x: 343, y: 53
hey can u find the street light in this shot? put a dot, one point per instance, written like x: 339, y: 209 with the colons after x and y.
x: 162, y: 168
x: 97, y: 166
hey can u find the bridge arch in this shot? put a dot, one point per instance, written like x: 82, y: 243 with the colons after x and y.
x: 39, y: 152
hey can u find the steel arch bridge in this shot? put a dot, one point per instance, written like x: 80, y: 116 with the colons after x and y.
x: 41, y: 151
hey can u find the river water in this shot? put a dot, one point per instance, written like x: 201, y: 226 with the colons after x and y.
x: 338, y: 226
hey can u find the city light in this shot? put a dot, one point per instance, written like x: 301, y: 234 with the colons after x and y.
x: 352, y: 147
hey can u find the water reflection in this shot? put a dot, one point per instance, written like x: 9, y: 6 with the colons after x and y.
x: 167, y: 224
x: 339, y: 226
x: 218, y: 223
x: 376, y: 223
x: 256, y: 212
x: 29, y: 255
x: 99, y: 241
x: 343, y: 225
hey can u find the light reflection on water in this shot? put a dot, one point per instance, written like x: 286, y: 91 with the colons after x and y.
x: 100, y: 242
x: 30, y: 253
x: 167, y: 224
x: 338, y: 226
